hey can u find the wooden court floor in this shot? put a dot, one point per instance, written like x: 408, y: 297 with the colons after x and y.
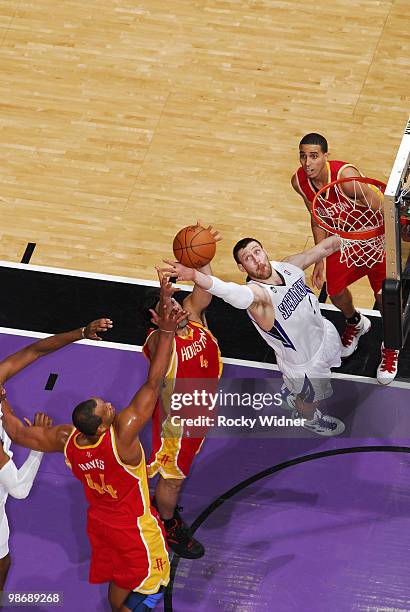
x: 122, y: 121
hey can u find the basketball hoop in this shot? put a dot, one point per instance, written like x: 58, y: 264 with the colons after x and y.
x: 351, y: 216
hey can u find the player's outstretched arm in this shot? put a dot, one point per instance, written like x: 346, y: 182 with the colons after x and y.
x: 361, y: 192
x: 18, y: 361
x: 38, y: 438
x: 323, y: 249
x: 18, y: 481
x: 133, y: 418
x: 239, y: 296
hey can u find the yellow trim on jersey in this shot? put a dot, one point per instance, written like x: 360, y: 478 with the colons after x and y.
x: 344, y: 168
x: 170, y: 446
x: 157, y: 575
x: 65, y: 448
x: 118, y: 458
x: 372, y: 187
x: 89, y: 445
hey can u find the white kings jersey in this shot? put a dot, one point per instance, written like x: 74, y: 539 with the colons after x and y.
x: 5, y: 440
x: 298, y: 332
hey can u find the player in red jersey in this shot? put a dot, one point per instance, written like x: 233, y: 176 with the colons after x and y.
x: 195, y: 355
x: 18, y: 482
x: 315, y: 172
x: 104, y: 452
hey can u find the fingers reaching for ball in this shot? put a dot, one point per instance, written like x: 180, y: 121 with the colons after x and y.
x: 214, y: 232
x: 176, y: 269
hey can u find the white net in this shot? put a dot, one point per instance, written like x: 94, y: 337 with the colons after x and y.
x: 362, y: 252
x: 353, y: 210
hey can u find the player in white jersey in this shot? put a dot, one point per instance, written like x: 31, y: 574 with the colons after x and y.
x: 18, y: 482
x: 287, y: 315
x: 14, y: 482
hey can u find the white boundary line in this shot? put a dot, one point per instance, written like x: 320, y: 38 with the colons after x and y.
x: 129, y: 280
x: 93, y: 275
x: 228, y: 360
x: 365, y: 311
x: 112, y: 345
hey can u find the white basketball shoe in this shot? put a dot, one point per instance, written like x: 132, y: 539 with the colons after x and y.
x: 351, y: 335
x: 387, y: 370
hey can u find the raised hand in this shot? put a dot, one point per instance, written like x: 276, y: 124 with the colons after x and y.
x: 92, y: 330
x: 176, y: 269
x: 169, y: 319
x: 41, y: 419
x: 214, y: 232
x: 167, y: 290
x: 318, y: 277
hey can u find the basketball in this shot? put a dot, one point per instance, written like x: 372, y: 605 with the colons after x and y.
x: 194, y: 246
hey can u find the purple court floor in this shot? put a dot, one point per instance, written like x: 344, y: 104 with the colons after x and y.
x: 327, y: 534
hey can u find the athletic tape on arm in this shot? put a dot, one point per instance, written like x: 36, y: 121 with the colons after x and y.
x: 239, y: 296
x: 19, y: 482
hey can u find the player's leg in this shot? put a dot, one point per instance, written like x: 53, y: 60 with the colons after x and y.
x: 312, y: 384
x: 117, y: 597
x: 179, y: 538
x: 5, y: 563
x: 388, y: 366
x: 338, y: 278
x: 166, y: 496
x: 316, y: 421
x: 306, y: 397
x: 5, y: 559
x: 344, y: 302
x: 173, y: 462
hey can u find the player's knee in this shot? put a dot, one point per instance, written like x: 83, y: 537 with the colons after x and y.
x: 173, y: 484
x: 341, y: 295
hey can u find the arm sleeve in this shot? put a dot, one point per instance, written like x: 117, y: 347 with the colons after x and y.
x: 18, y: 483
x: 239, y: 296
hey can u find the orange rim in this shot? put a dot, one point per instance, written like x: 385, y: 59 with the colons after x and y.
x: 366, y: 234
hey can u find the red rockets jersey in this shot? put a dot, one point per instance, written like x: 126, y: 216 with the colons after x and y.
x: 196, y: 355
x: 195, y: 365
x: 334, y: 170
x: 117, y: 493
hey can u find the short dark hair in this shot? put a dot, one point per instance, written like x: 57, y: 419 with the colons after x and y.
x: 241, y: 245
x: 315, y: 139
x: 149, y: 301
x: 85, y: 419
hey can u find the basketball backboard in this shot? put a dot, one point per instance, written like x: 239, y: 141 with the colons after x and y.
x: 397, y: 226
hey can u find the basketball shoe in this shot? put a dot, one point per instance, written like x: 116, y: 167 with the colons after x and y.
x: 351, y: 335
x: 387, y: 370
x: 324, y: 424
x: 179, y: 538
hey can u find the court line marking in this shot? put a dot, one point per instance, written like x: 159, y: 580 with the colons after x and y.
x: 131, y: 281
x: 221, y: 499
x: 400, y: 384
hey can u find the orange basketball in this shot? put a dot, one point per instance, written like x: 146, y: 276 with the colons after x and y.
x: 194, y: 246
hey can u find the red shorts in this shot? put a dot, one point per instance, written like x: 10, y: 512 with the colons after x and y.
x: 173, y: 446
x: 339, y: 275
x: 120, y: 555
x: 173, y: 457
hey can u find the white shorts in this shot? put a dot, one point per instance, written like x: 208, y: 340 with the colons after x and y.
x: 4, y: 534
x: 312, y: 379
